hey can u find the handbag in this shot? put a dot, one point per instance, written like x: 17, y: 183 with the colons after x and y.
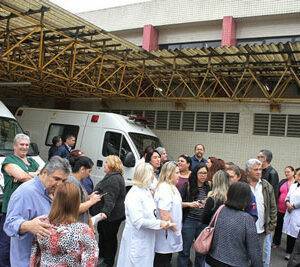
x: 203, y: 242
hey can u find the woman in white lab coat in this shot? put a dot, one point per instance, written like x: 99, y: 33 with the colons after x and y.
x: 138, y: 239
x: 169, y: 206
x: 291, y: 223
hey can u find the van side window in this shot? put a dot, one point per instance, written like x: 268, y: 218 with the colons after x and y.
x: 62, y: 130
x: 115, y: 144
x: 8, y: 130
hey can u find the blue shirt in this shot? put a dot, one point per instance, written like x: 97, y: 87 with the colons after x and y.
x: 63, y: 151
x: 252, y: 207
x: 27, y: 202
x: 88, y: 185
x: 196, y: 161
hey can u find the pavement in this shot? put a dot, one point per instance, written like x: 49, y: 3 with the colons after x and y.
x: 277, y: 256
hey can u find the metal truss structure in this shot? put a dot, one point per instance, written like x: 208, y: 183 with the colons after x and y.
x: 64, y: 56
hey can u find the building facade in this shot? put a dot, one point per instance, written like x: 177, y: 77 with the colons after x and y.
x: 232, y: 131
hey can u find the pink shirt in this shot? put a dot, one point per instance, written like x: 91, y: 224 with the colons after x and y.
x: 283, y: 190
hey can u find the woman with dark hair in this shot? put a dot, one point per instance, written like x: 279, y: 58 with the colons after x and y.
x: 87, y: 182
x: 70, y: 243
x: 235, y: 241
x: 235, y: 175
x: 56, y: 143
x: 111, y: 211
x: 184, y: 165
x: 194, y: 195
x: 283, y: 189
x: 153, y: 157
x: 81, y: 168
x: 214, y: 165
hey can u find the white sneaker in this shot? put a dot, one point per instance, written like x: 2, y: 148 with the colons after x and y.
x: 287, y: 257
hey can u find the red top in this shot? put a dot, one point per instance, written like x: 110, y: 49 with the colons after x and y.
x: 283, y: 191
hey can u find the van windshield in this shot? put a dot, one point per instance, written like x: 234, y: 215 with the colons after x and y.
x: 8, y: 129
x: 141, y: 141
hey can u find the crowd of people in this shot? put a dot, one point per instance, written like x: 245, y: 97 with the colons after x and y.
x: 50, y: 214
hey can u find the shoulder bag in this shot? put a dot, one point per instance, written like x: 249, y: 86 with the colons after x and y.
x: 203, y: 242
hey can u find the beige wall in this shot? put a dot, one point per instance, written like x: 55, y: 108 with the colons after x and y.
x: 231, y: 147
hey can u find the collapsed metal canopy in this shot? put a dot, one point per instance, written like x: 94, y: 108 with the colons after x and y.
x: 62, y: 55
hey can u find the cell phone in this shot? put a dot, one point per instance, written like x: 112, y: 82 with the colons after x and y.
x: 103, y: 194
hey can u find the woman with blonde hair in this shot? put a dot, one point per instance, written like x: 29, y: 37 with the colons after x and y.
x: 67, y: 232
x: 110, y: 209
x: 217, y: 196
x: 168, y: 202
x: 138, y: 239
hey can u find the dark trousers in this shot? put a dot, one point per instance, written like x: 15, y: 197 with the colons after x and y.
x: 4, y: 244
x: 108, y: 242
x: 278, y: 229
x: 290, y: 243
x: 162, y: 260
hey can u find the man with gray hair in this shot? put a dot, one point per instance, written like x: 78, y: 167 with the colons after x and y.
x: 266, y: 206
x: 268, y: 172
x: 17, y: 168
x: 30, y: 200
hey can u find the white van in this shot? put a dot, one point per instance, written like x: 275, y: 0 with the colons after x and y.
x: 98, y: 134
x: 9, y: 127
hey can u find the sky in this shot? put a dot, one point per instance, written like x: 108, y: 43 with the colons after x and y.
x: 77, y: 6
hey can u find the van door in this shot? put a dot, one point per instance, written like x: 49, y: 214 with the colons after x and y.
x: 114, y: 143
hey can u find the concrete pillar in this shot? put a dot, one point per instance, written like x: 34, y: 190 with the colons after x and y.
x: 228, y: 31
x: 150, y: 38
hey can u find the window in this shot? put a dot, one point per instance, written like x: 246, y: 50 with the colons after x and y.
x: 232, y: 123
x: 261, y: 124
x: 174, y: 120
x: 278, y: 122
x: 188, y: 119
x: 276, y: 125
x: 216, y: 122
x: 137, y: 112
x: 141, y: 141
x: 161, y: 120
x: 293, y: 127
x: 115, y: 144
x: 116, y: 111
x: 202, y: 119
x: 62, y: 130
x: 8, y: 130
x: 125, y: 112
x: 150, y: 117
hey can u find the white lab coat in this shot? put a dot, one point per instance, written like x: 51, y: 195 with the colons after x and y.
x: 291, y: 223
x: 138, y: 239
x: 167, y: 197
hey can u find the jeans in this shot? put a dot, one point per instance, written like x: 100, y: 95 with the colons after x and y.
x: 267, y: 246
x: 4, y: 245
x: 190, y: 230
